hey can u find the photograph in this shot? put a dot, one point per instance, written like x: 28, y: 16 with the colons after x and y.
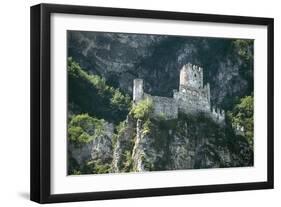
x: 152, y: 102
x: 129, y: 103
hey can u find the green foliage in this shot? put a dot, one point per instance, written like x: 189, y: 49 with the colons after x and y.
x: 118, y: 130
x: 128, y: 161
x: 83, y: 128
x: 146, y: 127
x: 76, y: 172
x: 142, y: 109
x: 119, y: 100
x: 90, y: 94
x: 90, y: 167
x: 98, y: 167
x: 126, y: 137
x: 243, y: 115
x: 244, y: 48
x: 121, y: 127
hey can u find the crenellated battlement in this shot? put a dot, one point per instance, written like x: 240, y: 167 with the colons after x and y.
x: 192, y: 97
x: 218, y: 115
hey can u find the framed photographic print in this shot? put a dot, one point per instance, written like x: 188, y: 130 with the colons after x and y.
x: 132, y: 103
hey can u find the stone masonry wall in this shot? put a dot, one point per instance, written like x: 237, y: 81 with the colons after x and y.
x: 192, y: 101
x: 163, y: 107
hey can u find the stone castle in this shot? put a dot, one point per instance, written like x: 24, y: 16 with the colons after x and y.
x: 191, y: 98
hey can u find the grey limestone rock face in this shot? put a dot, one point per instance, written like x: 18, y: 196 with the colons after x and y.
x: 180, y: 144
x: 185, y: 145
x: 123, y: 144
x: 121, y: 58
x: 102, y: 149
x: 81, y: 153
x: 99, y: 148
x: 145, y: 155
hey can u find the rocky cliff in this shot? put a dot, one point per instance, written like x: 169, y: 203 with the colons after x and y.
x: 187, y: 143
x: 120, y: 58
x: 156, y: 145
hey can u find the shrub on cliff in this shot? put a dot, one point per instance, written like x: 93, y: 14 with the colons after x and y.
x: 83, y: 128
x: 243, y: 115
x: 142, y: 109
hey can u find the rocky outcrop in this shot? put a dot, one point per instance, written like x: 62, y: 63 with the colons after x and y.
x: 123, y: 146
x: 98, y: 150
x: 187, y: 143
x: 146, y: 156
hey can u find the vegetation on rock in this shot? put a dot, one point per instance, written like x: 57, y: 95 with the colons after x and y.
x: 142, y: 109
x: 243, y: 116
x: 82, y: 128
x: 89, y: 93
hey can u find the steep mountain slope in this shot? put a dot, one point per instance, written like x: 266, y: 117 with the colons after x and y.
x: 119, y: 58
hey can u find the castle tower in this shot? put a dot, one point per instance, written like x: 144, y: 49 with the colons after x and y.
x: 191, y: 76
x: 184, y: 75
x: 138, y: 90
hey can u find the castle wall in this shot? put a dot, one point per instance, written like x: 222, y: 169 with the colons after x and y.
x: 192, y: 101
x: 163, y: 107
x: 208, y: 92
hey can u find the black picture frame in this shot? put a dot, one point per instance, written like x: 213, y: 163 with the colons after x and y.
x: 41, y: 99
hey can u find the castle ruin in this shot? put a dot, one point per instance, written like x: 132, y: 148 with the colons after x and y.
x: 191, y: 98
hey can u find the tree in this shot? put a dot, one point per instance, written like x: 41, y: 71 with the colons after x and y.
x: 89, y: 93
x: 244, y: 49
x: 83, y: 128
x: 120, y: 101
x: 242, y: 116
